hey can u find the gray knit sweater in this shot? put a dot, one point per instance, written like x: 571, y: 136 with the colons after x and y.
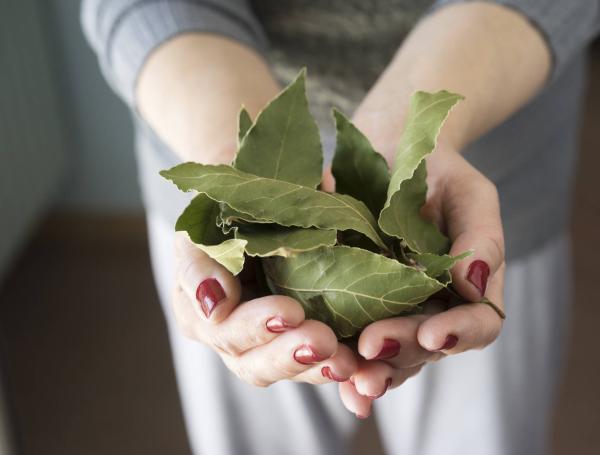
x: 346, y: 44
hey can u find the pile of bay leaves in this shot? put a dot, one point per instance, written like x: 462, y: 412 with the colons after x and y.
x: 358, y: 255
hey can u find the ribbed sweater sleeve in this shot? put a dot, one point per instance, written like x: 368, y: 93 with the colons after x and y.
x: 566, y: 25
x: 125, y: 32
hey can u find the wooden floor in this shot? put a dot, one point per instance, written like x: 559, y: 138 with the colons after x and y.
x: 85, y: 351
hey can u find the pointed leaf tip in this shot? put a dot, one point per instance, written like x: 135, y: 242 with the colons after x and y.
x: 401, y: 214
x: 284, y: 142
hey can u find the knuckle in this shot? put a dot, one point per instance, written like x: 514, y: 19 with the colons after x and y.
x: 498, y: 243
x: 486, y: 331
x: 223, y: 343
x: 493, y: 331
x: 248, y: 375
x: 411, y: 372
x: 435, y: 357
x: 192, y: 269
x: 186, y: 326
x: 187, y: 330
x: 257, y: 337
x: 261, y: 383
x: 486, y: 186
x: 285, y: 368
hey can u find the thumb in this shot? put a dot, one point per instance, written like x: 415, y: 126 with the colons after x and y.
x: 213, y: 289
x: 472, y: 214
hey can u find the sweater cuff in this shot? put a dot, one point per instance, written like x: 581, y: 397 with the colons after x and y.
x: 144, y: 27
x: 566, y: 26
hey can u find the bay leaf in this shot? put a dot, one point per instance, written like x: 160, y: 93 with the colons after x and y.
x: 284, y: 142
x: 406, y: 194
x: 358, y: 169
x: 230, y: 254
x: 280, y: 202
x: 244, y: 124
x: 230, y: 216
x: 278, y: 144
x: 435, y: 265
x: 199, y: 221
x: 274, y: 240
x: 349, y: 288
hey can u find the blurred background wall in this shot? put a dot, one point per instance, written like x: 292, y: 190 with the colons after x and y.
x: 102, y: 173
x: 61, y: 124
x: 84, y: 351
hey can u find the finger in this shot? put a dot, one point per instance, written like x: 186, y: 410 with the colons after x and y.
x: 328, y: 181
x: 472, y: 214
x: 395, y: 341
x: 250, y: 325
x: 353, y: 401
x: 339, y: 368
x: 205, y: 281
x: 467, y: 326
x: 374, y: 378
x: 286, y: 356
x: 257, y: 322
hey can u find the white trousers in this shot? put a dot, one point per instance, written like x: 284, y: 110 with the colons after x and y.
x: 496, y: 401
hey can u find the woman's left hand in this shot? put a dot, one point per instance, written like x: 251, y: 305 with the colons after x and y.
x: 464, y: 203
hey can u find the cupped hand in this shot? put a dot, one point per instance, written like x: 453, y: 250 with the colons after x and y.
x: 262, y: 340
x: 464, y: 203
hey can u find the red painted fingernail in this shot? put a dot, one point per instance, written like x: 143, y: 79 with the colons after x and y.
x: 307, y: 355
x: 388, y: 383
x: 450, y: 342
x: 277, y: 324
x: 326, y: 372
x: 360, y: 416
x: 478, y: 275
x: 389, y: 349
x: 209, y: 293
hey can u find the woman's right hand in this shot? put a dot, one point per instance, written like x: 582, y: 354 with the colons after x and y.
x: 263, y: 340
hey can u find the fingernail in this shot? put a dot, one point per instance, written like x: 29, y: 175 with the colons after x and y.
x: 389, y: 349
x: 277, y: 325
x: 388, y: 383
x: 326, y: 372
x: 360, y: 416
x: 478, y: 274
x: 450, y: 342
x: 209, y: 293
x: 307, y: 355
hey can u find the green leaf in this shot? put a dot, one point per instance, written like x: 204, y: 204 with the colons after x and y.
x: 358, y: 169
x: 348, y: 288
x: 284, y: 142
x: 244, y: 124
x: 199, y: 221
x: 280, y: 202
x: 230, y: 216
x: 274, y: 240
x: 435, y: 265
x: 230, y: 254
x: 401, y: 216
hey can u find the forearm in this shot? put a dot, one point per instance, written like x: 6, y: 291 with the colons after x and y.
x: 488, y: 53
x: 191, y: 89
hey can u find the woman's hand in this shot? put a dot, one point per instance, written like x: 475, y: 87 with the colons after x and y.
x: 465, y: 204
x: 263, y: 340
x: 498, y: 61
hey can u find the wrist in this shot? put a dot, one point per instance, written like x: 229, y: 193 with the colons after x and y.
x: 382, y: 128
x: 191, y: 89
